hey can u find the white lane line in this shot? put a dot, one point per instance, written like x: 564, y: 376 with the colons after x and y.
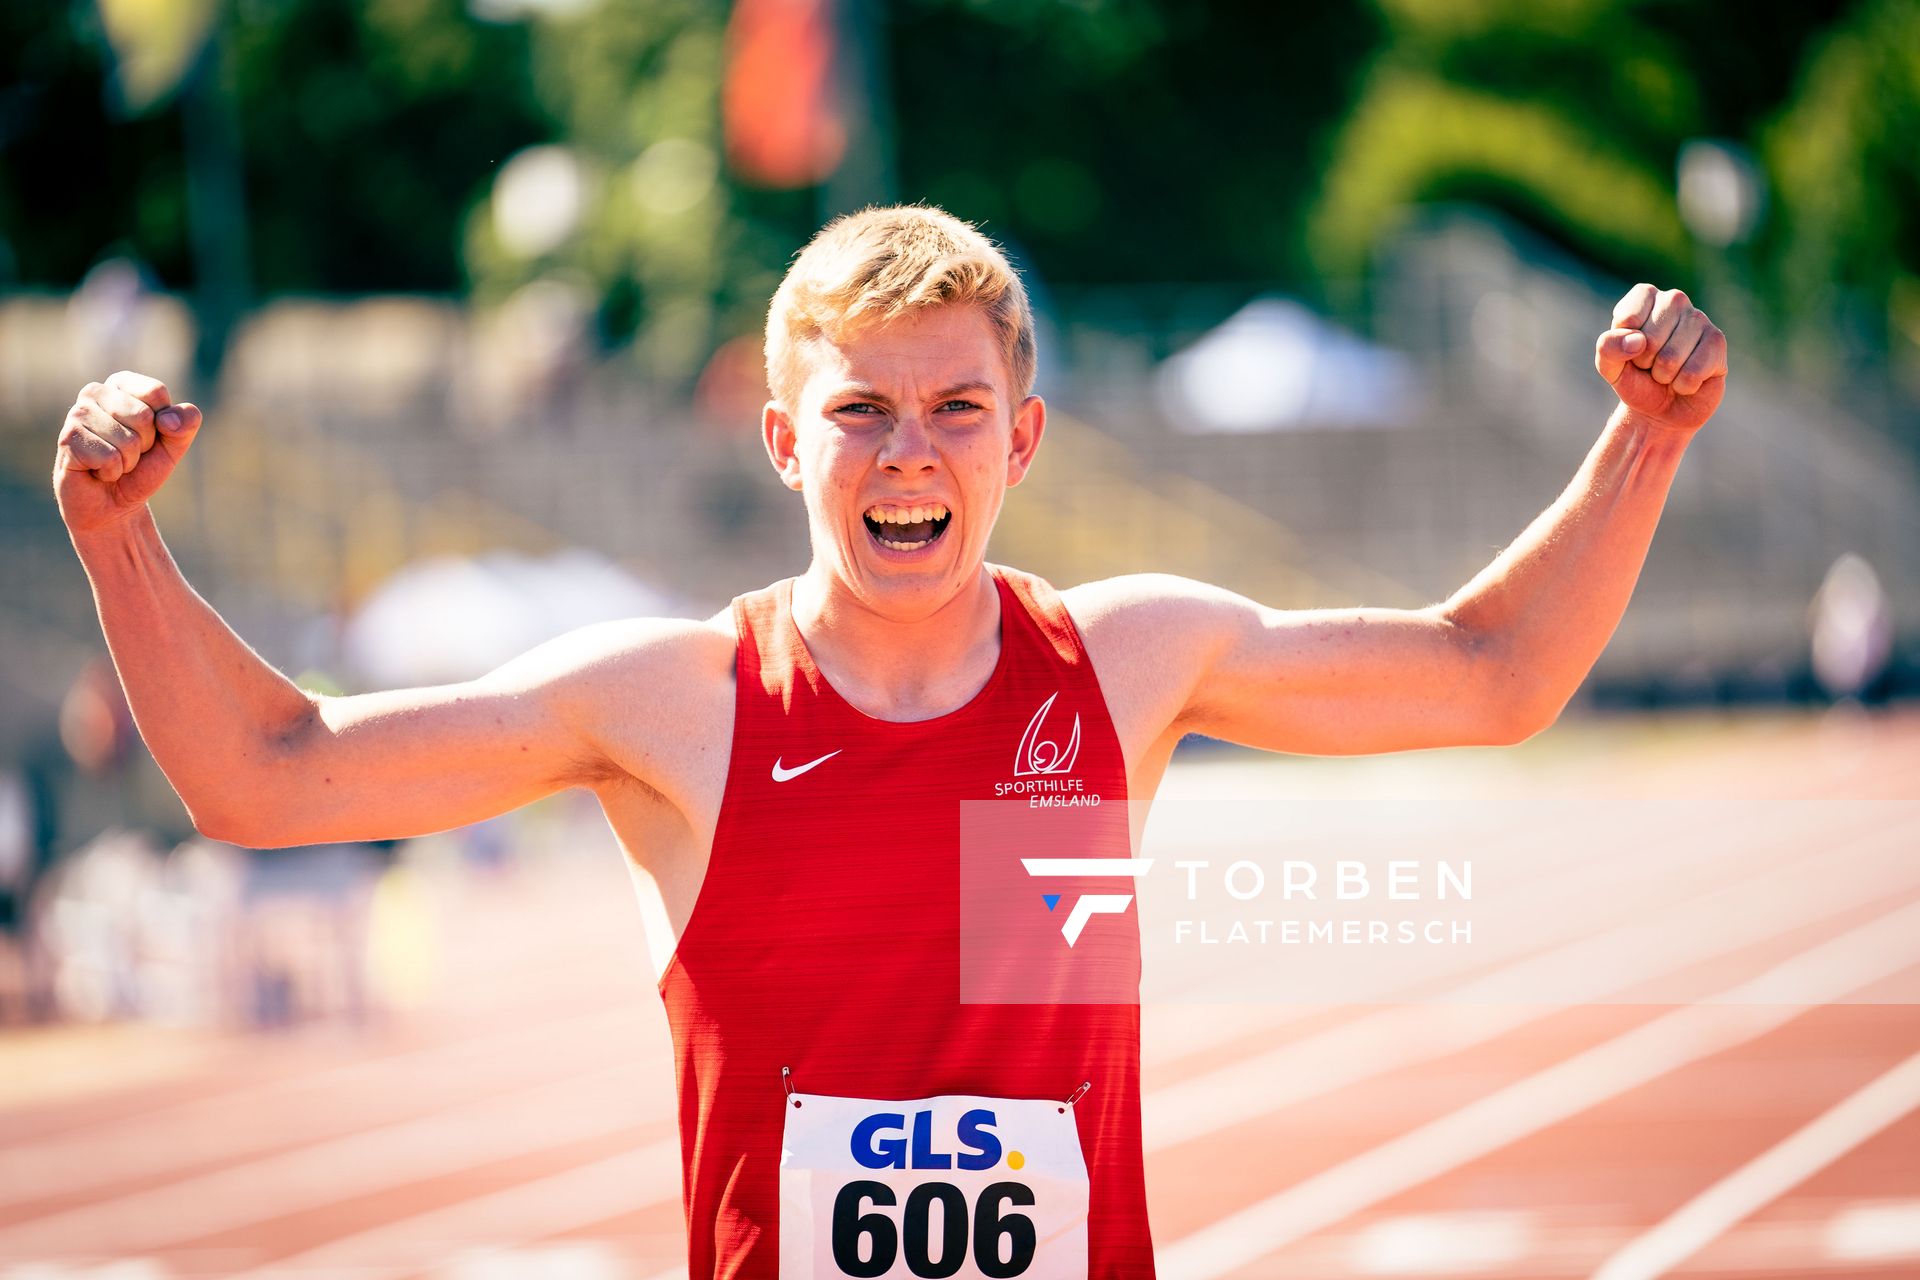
x: 1584, y: 971
x: 1768, y: 1176
x: 122, y: 1269
x: 568, y: 1201
x: 235, y: 1124
x: 548, y: 1115
x: 1876, y: 1231
x: 1823, y: 973
x: 572, y: 1260
x: 1442, y: 1244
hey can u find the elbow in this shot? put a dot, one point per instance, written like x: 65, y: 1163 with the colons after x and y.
x: 1515, y: 700
x: 1521, y: 729
x: 1489, y: 727
x: 224, y: 827
x: 245, y: 835
x: 256, y: 810
x: 215, y: 827
x: 254, y: 817
x: 1527, y: 717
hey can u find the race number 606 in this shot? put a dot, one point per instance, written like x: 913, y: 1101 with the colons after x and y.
x: 866, y: 1241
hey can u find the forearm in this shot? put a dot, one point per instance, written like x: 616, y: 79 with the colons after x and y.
x: 1547, y: 606
x: 210, y: 709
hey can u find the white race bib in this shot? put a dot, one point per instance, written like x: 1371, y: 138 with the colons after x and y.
x: 932, y: 1187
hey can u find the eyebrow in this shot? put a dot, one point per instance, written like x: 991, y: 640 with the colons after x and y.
x: 865, y: 391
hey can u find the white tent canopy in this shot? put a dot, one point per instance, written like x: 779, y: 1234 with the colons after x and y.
x: 1274, y: 365
x: 447, y: 619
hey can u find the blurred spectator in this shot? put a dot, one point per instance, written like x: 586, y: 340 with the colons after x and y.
x: 85, y: 920
x: 528, y: 356
x: 487, y: 846
x: 18, y: 867
x: 403, y: 942
x: 1852, y: 629
x: 96, y: 726
x: 303, y: 931
x: 209, y: 935
x: 733, y: 386
x: 112, y: 781
x: 86, y: 783
x: 105, y: 314
x: 190, y: 926
x: 97, y: 923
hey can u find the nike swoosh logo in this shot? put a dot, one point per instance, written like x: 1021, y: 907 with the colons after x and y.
x: 786, y: 775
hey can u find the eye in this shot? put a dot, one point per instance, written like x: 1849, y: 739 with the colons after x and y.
x: 960, y: 406
x: 858, y: 407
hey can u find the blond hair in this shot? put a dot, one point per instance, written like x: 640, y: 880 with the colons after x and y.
x: 874, y: 266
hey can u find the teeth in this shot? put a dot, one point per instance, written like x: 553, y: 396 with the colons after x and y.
x: 907, y: 515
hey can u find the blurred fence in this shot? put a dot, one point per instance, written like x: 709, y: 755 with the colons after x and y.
x: 353, y: 436
x: 1500, y: 331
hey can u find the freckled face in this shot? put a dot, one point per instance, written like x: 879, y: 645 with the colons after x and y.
x: 903, y: 443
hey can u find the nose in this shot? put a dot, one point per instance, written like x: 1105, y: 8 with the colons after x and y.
x: 909, y: 447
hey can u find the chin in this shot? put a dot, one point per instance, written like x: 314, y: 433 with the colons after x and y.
x: 911, y: 590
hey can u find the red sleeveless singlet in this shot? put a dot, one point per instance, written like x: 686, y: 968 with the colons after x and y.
x: 825, y: 936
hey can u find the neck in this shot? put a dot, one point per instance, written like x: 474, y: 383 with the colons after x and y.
x: 895, y: 669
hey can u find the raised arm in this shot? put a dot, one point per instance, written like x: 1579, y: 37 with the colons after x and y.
x: 1494, y: 663
x: 1196, y: 658
x: 259, y: 761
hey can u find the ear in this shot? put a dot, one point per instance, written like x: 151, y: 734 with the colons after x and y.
x: 776, y: 432
x: 1029, y: 424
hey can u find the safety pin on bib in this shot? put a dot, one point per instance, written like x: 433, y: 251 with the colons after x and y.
x: 1078, y: 1094
x: 786, y: 1079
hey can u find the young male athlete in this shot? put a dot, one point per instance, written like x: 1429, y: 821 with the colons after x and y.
x: 786, y: 777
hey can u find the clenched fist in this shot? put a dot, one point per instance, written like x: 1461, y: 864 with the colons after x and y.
x: 120, y: 442
x: 1667, y: 362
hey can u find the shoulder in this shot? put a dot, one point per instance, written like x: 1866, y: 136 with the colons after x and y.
x: 1151, y: 636
x: 634, y: 648
x: 1147, y: 608
x: 653, y: 696
x: 609, y: 676
x: 691, y: 646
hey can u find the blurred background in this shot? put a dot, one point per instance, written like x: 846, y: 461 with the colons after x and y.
x: 472, y: 292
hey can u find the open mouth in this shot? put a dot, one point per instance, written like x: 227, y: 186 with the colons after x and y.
x: 907, y: 528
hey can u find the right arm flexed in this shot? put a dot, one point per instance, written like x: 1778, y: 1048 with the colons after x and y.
x: 256, y: 759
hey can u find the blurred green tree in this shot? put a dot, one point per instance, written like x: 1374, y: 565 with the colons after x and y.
x: 68, y: 170
x: 653, y: 244
x: 1845, y: 160
x: 365, y: 130
x: 1567, y: 115
x: 1128, y: 140
x: 368, y: 130
x: 1105, y: 140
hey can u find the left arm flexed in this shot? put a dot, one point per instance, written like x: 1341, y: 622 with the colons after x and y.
x: 1495, y: 662
x: 1550, y: 602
